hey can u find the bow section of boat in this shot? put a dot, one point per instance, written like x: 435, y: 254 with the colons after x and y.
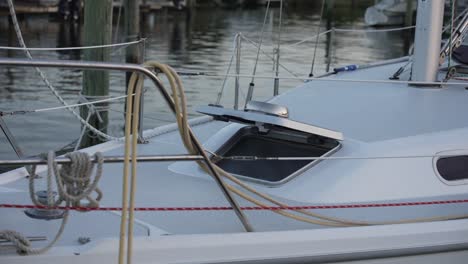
x: 382, y: 173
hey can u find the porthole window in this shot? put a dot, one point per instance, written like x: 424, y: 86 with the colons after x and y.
x: 453, y: 168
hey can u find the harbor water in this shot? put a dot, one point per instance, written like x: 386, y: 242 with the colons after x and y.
x: 202, y: 42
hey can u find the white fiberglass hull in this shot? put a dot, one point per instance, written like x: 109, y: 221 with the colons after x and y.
x: 411, y: 243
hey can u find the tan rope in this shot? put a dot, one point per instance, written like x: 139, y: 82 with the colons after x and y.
x: 126, y: 164
x: 135, y: 86
x: 136, y: 116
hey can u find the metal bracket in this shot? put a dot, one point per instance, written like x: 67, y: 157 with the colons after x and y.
x: 450, y: 73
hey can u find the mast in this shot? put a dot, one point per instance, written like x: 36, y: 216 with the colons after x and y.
x: 427, y: 40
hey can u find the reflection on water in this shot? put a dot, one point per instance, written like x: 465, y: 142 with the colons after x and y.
x: 69, y: 35
x: 202, y: 41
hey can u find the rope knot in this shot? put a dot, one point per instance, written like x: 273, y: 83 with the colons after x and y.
x: 74, y: 183
x: 21, y: 243
x: 74, y: 180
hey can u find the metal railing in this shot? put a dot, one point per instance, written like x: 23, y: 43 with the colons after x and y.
x: 83, y: 65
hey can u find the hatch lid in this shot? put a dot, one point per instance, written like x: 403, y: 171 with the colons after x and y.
x: 262, y: 114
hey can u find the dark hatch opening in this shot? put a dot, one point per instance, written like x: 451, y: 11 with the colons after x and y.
x: 276, y: 142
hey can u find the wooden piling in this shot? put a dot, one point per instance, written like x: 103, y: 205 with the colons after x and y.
x: 190, y: 4
x: 132, y: 30
x: 97, y: 31
x: 133, y: 53
x: 409, y: 13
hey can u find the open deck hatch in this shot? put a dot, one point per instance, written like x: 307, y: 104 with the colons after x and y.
x: 269, y: 133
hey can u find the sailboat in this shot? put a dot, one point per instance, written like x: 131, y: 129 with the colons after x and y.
x: 388, y: 12
x: 350, y: 167
x: 393, y: 12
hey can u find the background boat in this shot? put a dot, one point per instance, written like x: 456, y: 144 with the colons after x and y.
x: 395, y: 12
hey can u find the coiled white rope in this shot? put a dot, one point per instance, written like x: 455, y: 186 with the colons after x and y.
x: 20, y: 242
x: 74, y: 183
x: 23, y: 245
x: 73, y: 180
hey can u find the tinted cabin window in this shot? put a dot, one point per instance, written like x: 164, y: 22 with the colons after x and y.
x: 453, y: 168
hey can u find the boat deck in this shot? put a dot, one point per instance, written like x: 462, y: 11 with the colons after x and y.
x: 376, y: 120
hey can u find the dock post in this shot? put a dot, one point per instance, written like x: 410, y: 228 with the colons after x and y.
x: 97, y: 31
x: 132, y: 31
x: 409, y: 13
x: 190, y: 5
x: 133, y: 54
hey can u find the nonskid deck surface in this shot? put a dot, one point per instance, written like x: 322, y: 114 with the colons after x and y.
x: 372, y: 121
